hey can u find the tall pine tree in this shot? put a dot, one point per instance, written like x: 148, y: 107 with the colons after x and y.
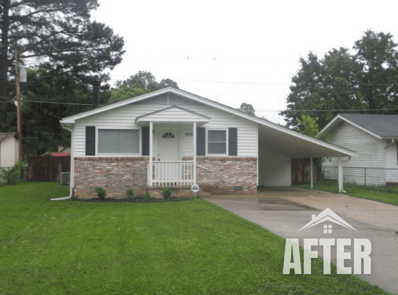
x: 57, y: 34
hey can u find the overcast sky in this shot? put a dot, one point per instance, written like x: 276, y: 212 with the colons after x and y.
x: 237, y: 51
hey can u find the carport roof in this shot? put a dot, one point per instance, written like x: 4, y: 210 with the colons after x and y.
x: 296, y: 145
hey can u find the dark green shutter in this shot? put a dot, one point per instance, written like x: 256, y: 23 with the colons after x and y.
x: 145, y: 141
x: 201, y: 141
x: 90, y: 141
x: 232, y: 141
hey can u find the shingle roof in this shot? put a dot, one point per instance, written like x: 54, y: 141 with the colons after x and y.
x: 382, y: 125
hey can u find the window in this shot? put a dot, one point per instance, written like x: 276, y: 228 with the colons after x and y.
x: 118, y: 141
x: 217, y: 142
x: 168, y: 135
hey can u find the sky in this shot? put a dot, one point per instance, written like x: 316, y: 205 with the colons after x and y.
x: 237, y: 51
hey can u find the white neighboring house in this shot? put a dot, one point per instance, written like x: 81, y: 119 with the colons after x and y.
x: 173, y: 138
x: 8, y: 149
x: 374, y: 138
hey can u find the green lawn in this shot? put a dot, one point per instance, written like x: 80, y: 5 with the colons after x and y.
x: 383, y: 194
x: 189, y: 247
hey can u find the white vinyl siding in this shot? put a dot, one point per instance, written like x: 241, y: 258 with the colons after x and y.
x: 274, y: 168
x: 124, y: 118
x: 371, y: 153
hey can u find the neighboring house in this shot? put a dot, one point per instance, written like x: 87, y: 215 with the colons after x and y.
x: 8, y: 149
x: 374, y: 138
x: 62, y: 152
x: 173, y: 138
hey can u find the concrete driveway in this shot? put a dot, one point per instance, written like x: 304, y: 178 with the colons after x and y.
x: 284, y: 211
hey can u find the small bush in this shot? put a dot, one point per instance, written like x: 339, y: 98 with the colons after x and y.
x: 129, y: 194
x: 166, y: 192
x: 101, y: 193
x: 13, y: 173
x: 147, y: 197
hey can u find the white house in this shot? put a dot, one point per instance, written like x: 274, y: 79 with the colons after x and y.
x: 374, y: 138
x: 8, y: 149
x: 171, y: 137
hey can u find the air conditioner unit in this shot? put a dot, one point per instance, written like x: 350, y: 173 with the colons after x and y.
x: 65, y: 178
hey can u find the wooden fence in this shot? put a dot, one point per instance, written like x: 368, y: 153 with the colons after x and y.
x: 47, y: 168
x: 301, y: 171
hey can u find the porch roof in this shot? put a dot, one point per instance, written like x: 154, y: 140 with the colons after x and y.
x: 173, y: 114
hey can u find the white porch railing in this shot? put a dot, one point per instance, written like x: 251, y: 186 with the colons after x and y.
x: 172, y: 173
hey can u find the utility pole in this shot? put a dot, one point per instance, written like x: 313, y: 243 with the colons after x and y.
x: 19, y: 115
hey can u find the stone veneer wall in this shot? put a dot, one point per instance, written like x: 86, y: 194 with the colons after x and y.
x: 221, y: 174
x: 115, y: 175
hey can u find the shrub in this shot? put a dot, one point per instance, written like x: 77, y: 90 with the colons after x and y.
x: 129, y: 194
x: 166, y: 192
x: 13, y: 173
x: 147, y: 197
x: 101, y: 193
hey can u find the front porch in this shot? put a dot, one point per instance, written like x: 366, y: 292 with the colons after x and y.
x: 171, y: 134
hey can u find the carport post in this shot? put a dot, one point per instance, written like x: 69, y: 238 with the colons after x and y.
x: 340, y: 174
x: 311, y: 174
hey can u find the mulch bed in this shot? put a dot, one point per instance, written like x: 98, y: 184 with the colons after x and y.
x: 137, y: 200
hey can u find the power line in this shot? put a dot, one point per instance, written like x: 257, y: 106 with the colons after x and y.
x: 316, y: 111
x: 54, y: 102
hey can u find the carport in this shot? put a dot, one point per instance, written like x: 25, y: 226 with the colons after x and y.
x: 277, y: 145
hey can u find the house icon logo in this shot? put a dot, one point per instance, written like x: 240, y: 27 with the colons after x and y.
x: 327, y: 215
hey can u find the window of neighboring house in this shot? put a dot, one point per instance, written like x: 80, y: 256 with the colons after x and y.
x: 118, y: 141
x: 217, y: 142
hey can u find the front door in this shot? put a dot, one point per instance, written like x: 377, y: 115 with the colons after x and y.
x: 168, y: 145
x: 166, y: 167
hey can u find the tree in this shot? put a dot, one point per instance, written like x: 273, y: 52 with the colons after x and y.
x: 140, y: 83
x: 308, y: 126
x: 247, y: 108
x: 41, y: 129
x: 378, y: 59
x: 59, y: 35
x: 341, y: 81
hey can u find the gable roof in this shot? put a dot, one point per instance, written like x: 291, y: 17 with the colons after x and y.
x: 280, y: 129
x: 5, y: 135
x: 379, y: 126
x: 174, y: 114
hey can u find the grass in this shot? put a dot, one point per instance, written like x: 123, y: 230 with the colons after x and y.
x: 384, y: 194
x: 192, y: 247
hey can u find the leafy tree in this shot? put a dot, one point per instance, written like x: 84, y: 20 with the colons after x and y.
x: 41, y: 129
x: 378, y: 78
x: 341, y: 81
x: 140, y: 83
x: 247, y: 108
x: 308, y: 125
x: 59, y: 35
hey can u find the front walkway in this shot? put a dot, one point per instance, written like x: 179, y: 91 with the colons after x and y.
x: 284, y: 211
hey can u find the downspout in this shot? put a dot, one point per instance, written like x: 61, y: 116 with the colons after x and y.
x: 385, y: 159
x: 345, y: 161
x: 71, y: 167
x: 392, y: 142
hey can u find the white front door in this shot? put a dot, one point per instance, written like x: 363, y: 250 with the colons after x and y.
x: 168, y: 145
